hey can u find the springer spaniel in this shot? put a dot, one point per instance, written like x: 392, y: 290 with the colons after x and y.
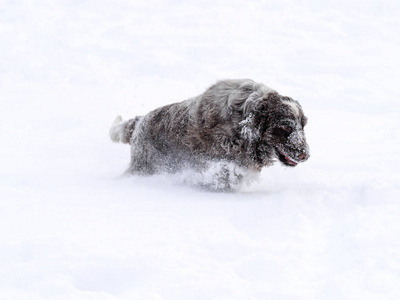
x: 232, y: 130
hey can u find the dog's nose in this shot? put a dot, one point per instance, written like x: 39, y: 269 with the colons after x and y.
x: 303, y: 156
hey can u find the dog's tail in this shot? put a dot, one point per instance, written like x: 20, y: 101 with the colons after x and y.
x: 121, y: 131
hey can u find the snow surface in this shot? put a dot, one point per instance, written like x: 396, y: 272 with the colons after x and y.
x: 72, y: 228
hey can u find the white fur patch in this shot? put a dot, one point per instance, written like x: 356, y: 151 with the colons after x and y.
x: 294, y: 107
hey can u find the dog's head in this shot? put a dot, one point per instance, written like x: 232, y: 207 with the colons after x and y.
x: 279, y: 126
x: 285, y: 129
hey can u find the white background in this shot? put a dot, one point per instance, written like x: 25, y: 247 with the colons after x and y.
x: 72, y: 228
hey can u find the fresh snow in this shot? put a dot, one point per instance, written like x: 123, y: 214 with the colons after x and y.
x: 71, y: 227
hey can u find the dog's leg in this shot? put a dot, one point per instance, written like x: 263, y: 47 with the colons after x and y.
x: 221, y: 176
x: 142, y: 160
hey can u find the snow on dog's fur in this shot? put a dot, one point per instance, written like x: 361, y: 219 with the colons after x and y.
x: 228, y: 133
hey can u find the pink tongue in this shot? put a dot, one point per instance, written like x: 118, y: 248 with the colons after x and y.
x: 290, y: 160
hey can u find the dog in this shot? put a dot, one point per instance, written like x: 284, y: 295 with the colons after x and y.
x: 229, y: 132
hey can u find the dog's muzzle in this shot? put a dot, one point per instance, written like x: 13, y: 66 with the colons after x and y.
x: 303, y: 155
x: 293, y: 157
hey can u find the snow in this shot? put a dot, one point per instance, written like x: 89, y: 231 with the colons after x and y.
x: 247, y: 130
x: 72, y: 228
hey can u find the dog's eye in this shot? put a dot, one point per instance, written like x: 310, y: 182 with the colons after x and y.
x: 283, y: 130
x: 286, y: 128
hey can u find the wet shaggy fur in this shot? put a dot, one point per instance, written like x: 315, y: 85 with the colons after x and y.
x: 233, y: 129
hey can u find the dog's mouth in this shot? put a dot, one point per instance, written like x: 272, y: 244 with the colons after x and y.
x: 286, y: 159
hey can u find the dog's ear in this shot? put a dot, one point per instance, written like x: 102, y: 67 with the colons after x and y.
x: 263, y: 104
x: 263, y: 111
x: 254, y: 104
